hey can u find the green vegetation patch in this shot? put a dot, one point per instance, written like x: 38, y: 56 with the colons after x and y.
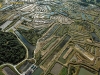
x: 1, y: 73
x: 61, y: 57
x: 62, y: 30
x: 38, y: 71
x: 64, y: 71
x: 11, y: 30
x: 32, y: 35
x: 11, y: 50
x: 1, y: 0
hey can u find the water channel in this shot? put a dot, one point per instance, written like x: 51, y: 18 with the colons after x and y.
x: 30, y: 47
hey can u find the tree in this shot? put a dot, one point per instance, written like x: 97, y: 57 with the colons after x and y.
x: 11, y: 50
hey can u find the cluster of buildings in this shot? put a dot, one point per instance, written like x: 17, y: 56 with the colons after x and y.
x: 69, y: 42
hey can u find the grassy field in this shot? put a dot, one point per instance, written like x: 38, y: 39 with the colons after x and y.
x: 11, y: 30
x: 38, y: 71
x: 64, y: 71
x: 1, y: 73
